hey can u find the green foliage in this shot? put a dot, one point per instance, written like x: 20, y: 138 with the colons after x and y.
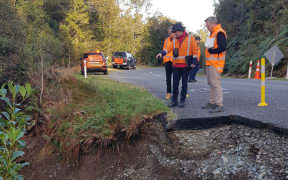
x: 110, y: 103
x: 12, y: 129
x: 154, y: 37
x: 253, y: 27
x: 36, y: 36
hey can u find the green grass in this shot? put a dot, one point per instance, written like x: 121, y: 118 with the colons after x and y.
x: 98, y: 103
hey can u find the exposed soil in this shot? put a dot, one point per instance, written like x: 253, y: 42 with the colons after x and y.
x: 185, y: 150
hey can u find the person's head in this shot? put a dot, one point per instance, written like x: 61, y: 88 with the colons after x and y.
x: 171, y: 35
x: 198, y: 39
x: 211, y: 22
x: 178, y: 29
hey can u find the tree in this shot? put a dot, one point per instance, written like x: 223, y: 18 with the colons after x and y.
x: 252, y: 27
x: 75, y: 28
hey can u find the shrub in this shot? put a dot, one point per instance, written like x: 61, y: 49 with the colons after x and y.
x: 12, y: 129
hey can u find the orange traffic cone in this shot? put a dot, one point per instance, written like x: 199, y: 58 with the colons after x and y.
x: 257, y: 74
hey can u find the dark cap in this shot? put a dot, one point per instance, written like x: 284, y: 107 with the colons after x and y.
x: 197, y: 38
x: 178, y: 27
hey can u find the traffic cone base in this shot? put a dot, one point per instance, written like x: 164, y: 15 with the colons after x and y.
x: 257, y: 74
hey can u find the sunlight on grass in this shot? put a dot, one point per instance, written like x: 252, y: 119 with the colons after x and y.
x: 98, y: 103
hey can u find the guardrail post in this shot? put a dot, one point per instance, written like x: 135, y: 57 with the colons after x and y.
x: 85, y: 68
x: 263, y: 96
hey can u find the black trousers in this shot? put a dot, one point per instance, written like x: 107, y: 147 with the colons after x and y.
x: 169, y: 73
x: 179, y: 73
x: 193, y: 72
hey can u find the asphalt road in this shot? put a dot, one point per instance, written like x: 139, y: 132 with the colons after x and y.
x: 241, y: 96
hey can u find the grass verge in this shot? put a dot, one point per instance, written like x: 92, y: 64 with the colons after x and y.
x: 99, y: 110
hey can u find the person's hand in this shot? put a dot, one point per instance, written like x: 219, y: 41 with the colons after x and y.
x: 159, y: 55
x: 193, y: 65
x: 210, y: 50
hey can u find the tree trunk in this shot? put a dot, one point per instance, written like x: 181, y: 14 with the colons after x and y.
x: 42, y: 78
x: 69, y: 61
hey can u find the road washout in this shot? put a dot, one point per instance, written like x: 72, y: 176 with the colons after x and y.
x: 215, y: 148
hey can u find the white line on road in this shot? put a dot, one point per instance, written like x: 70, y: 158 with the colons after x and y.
x: 206, y: 90
x: 155, y: 74
x: 132, y: 78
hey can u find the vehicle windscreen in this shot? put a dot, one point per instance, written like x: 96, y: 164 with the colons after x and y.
x: 121, y: 54
x: 93, y: 54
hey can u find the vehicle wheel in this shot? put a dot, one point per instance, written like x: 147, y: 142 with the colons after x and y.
x: 114, y: 66
x: 105, y: 72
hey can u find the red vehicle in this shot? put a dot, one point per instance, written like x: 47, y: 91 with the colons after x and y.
x: 95, y: 62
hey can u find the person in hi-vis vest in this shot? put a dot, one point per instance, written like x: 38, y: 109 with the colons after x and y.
x: 168, y: 61
x: 194, y: 71
x: 184, y: 48
x: 215, y: 54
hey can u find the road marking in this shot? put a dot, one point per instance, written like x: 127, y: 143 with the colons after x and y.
x: 200, y: 90
x: 207, y: 90
x: 155, y: 74
x: 133, y: 78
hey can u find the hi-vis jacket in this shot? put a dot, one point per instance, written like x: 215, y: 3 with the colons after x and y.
x: 168, y: 57
x: 216, y: 60
x: 199, y: 52
x: 187, y: 48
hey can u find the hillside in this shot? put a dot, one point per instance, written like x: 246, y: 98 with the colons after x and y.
x: 253, y: 27
x: 37, y: 36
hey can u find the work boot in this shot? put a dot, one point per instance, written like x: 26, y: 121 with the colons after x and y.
x: 182, y: 104
x: 217, y: 109
x: 168, y: 96
x: 173, y: 104
x: 209, y: 106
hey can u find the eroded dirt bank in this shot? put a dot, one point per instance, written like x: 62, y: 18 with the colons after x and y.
x: 231, y: 151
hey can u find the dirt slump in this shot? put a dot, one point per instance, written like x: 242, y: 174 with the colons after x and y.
x: 227, y: 151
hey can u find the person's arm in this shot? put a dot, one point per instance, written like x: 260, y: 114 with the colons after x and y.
x: 194, y: 46
x: 222, y: 44
x: 166, y: 50
x: 199, y: 52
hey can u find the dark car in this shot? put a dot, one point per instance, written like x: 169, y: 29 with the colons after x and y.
x: 123, y: 60
x: 95, y: 62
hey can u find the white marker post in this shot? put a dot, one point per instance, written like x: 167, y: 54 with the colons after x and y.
x: 85, y: 68
x: 250, y: 70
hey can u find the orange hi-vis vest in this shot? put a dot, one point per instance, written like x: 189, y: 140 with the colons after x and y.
x: 187, y: 48
x: 168, y: 57
x: 216, y: 60
x: 199, y: 52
